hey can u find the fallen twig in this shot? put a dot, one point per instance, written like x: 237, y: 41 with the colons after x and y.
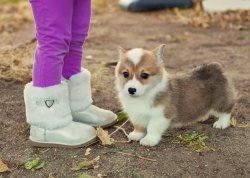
x: 118, y: 128
x: 124, y: 131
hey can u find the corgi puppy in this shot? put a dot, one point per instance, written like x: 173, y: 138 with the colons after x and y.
x: 155, y: 100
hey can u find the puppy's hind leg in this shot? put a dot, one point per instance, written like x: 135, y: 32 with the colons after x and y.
x: 203, y: 118
x: 223, y: 120
x: 156, y: 127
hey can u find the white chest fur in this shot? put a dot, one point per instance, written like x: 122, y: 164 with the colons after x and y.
x: 141, y: 110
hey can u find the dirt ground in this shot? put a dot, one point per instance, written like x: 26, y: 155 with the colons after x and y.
x: 187, y: 47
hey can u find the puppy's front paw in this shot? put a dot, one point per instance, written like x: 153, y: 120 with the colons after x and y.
x: 136, y: 136
x: 149, y: 141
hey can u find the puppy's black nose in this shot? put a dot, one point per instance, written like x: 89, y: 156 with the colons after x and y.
x: 131, y: 91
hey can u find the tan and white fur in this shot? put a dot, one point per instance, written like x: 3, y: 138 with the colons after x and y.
x: 155, y: 100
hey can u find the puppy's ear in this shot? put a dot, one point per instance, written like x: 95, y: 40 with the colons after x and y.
x: 159, y: 53
x: 121, y: 52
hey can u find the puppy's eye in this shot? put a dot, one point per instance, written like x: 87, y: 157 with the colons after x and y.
x: 144, y: 75
x: 125, y: 74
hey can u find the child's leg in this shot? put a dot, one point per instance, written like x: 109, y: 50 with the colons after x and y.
x: 79, y: 81
x: 53, y: 24
x: 80, y: 28
x: 48, y: 107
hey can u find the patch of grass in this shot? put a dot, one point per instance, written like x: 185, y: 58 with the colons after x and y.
x: 84, y: 175
x: 16, y: 64
x: 104, y: 5
x: 166, y: 135
x: 10, y: 1
x: 34, y: 165
x: 122, y: 116
x: 194, y: 141
x: 14, y: 16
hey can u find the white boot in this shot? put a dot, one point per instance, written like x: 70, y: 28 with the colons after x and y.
x: 81, y: 102
x: 48, y: 112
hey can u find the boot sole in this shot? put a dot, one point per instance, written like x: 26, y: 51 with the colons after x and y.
x: 55, y: 145
x: 108, y: 125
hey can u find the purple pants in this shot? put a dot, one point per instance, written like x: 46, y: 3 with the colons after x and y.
x: 62, y: 27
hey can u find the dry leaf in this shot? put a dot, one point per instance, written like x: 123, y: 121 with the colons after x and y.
x: 89, y: 57
x: 199, y: 23
x: 86, y: 164
x: 205, y: 25
x: 233, y: 122
x: 244, y: 126
x: 3, y: 167
x: 104, y: 136
x: 87, y: 152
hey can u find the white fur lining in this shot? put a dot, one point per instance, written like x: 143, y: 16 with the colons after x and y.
x: 127, y: 2
x: 80, y: 91
x: 47, y: 107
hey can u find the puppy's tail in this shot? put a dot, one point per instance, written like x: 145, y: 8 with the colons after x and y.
x: 207, y: 71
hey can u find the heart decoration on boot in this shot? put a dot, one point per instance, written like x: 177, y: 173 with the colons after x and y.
x: 49, y: 103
